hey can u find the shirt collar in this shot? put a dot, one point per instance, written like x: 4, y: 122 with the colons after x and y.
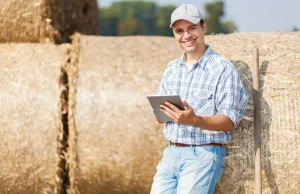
x: 202, y: 61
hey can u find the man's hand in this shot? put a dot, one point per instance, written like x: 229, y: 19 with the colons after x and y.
x: 186, y: 116
x: 217, y: 122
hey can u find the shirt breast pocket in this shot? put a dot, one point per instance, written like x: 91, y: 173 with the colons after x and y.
x: 202, y: 102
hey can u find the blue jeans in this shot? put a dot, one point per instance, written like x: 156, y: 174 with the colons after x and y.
x: 189, y: 170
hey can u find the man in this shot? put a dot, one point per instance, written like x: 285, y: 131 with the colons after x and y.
x: 214, y: 100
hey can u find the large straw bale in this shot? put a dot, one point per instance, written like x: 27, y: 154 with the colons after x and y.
x: 30, y: 118
x: 279, y: 84
x: 118, y: 143
x: 42, y: 20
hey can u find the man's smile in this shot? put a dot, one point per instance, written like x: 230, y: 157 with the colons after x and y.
x: 189, y: 42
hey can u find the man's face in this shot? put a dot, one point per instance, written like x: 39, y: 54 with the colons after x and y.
x: 188, y: 35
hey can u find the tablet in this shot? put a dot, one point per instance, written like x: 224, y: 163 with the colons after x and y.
x: 156, y: 101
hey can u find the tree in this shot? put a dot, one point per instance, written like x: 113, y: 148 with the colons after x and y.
x: 108, y: 22
x: 295, y: 29
x: 147, y: 18
x: 214, y: 11
x: 162, y: 24
x: 128, y: 27
x: 128, y: 18
x: 229, y: 27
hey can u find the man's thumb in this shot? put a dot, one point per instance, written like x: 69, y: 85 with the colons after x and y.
x: 185, y: 104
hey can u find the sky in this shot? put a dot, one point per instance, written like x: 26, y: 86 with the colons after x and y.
x: 248, y: 15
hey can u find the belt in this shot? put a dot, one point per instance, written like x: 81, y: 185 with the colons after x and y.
x: 188, y: 145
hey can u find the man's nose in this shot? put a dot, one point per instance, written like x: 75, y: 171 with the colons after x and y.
x: 186, y: 34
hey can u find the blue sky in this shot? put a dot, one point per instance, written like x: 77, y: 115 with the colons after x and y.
x: 249, y: 15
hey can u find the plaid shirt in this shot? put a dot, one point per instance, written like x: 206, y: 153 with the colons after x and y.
x: 211, y: 87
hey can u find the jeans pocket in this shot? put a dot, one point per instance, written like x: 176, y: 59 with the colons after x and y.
x: 205, y: 153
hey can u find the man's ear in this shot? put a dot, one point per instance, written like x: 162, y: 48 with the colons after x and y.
x: 204, y: 27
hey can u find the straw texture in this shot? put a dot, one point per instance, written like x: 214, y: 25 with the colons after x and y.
x: 279, y: 85
x: 119, y: 144
x: 72, y: 159
x: 46, y: 20
x: 30, y: 118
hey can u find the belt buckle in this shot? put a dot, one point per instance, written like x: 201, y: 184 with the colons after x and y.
x: 176, y: 146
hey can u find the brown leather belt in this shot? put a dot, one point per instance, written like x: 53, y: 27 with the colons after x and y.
x: 188, y: 145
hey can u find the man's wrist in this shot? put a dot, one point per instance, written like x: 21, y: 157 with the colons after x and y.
x: 195, y: 120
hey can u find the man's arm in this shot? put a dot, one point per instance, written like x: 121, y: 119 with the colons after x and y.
x: 217, y: 122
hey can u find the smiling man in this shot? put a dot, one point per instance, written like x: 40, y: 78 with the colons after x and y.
x: 214, y: 100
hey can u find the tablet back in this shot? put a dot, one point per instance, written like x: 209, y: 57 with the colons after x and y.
x: 156, y: 101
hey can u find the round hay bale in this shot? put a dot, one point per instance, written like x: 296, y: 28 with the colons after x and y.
x: 116, y: 143
x: 46, y: 20
x: 239, y: 162
x: 30, y: 118
x: 279, y: 84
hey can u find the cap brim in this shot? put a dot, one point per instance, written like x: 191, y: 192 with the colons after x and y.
x: 191, y: 19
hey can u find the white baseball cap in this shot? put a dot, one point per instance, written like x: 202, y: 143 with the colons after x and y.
x: 186, y: 12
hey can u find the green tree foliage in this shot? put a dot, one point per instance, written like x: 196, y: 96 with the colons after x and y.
x: 147, y: 18
x: 134, y: 18
x: 229, y: 27
x: 214, y: 12
x: 108, y: 22
x: 295, y: 29
x: 162, y: 21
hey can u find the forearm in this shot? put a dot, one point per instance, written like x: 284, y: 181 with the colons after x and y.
x: 215, y: 123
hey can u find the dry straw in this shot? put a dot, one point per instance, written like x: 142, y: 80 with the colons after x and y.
x: 72, y: 159
x: 118, y: 142
x: 46, y: 20
x: 279, y: 83
x: 30, y: 118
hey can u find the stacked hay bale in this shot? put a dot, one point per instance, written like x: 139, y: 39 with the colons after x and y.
x: 118, y: 142
x: 42, y: 20
x: 115, y: 142
x: 279, y: 85
x: 30, y: 118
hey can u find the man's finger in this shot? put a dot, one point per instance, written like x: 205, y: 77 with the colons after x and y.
x: 168, y: 114
x: 171, y: 106
x: 168, y: 110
